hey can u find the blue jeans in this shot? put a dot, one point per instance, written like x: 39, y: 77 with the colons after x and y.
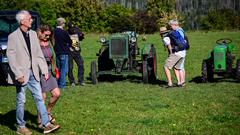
x: 62, y: 64
x: 34, y: 86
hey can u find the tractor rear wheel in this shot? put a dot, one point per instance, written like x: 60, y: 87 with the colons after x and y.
x: 238, y: 69
x: 207, y: 73
x: 145, y: 71
x: 94, y: 72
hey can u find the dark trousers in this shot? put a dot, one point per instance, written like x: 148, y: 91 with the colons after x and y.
x: 75, y: 55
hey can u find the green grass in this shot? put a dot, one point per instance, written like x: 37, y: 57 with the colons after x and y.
x: 130, y: 107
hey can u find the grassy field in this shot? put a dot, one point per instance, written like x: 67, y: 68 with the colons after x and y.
x: 130, y: 107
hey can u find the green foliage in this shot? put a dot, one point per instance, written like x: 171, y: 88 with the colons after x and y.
x: 95, y: 16
x: 223, y: 19
x: 47, y: 11
x: 90, y: 15
x: 145, y: 22
x: 117, y: 18
x: 157, y: 7
x: 83, y: 12
x: 16, y: 4
x: 164, y: 10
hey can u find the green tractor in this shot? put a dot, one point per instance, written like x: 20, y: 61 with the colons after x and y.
x: 119, y: 55
x: 221, y: 61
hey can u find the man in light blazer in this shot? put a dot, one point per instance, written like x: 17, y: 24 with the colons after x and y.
x: 26, y: 62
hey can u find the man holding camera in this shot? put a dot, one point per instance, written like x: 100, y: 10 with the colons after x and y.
x: 75, y: 54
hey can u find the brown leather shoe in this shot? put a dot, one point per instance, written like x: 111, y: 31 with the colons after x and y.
x: 23, y: 131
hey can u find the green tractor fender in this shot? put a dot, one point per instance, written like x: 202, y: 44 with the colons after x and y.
x: 149, y: 63
x: 232, y: 48
x: 148, y: 51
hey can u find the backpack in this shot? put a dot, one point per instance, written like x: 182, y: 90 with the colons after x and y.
x: 178, y: 42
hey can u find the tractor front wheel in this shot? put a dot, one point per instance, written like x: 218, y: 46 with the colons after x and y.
x: 145, y: 71
x: 94, y: 72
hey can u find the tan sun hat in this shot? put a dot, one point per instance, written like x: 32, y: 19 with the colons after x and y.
x: 163, y: 30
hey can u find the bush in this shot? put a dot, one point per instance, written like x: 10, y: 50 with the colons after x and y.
x: 145, y: 23
x: 116, y: 18
x: 121, y: 24
x: 223, y: 19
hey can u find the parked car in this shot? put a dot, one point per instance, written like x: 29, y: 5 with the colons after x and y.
x: 8, y: 24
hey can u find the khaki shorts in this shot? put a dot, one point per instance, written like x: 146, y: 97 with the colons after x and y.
x: 174, y: 61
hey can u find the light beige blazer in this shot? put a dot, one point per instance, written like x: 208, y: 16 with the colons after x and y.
x: 19, y: 57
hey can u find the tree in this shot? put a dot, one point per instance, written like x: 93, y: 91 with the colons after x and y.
x: 117, y: 18
x: 164, y: 10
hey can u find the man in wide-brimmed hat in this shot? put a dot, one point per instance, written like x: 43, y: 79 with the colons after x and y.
x: 165, y: 38
x: 167, y: 43
x: 163, y: 30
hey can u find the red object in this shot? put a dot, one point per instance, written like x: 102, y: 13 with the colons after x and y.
x: 57, y: 73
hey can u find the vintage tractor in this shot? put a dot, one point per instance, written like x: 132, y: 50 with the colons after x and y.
x: 120, y: 55
x: 221, y: 61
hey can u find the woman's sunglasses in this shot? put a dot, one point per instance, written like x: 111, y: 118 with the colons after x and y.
x: 47, y: 36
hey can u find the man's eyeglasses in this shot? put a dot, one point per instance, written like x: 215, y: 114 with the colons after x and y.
x: 28, y: 19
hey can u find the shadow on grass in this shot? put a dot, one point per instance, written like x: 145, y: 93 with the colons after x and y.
x: 9, y: 120
x: 130, y: 78
x: 198, y: 79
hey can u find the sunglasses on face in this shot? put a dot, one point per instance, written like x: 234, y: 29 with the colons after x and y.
x: 47, y: 36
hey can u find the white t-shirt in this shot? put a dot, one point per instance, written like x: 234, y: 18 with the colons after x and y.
x: 166, y: 41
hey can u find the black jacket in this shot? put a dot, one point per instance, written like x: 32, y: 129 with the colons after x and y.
x: 62, y: 42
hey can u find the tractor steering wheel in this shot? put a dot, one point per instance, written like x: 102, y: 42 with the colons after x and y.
x: 224, y: 41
